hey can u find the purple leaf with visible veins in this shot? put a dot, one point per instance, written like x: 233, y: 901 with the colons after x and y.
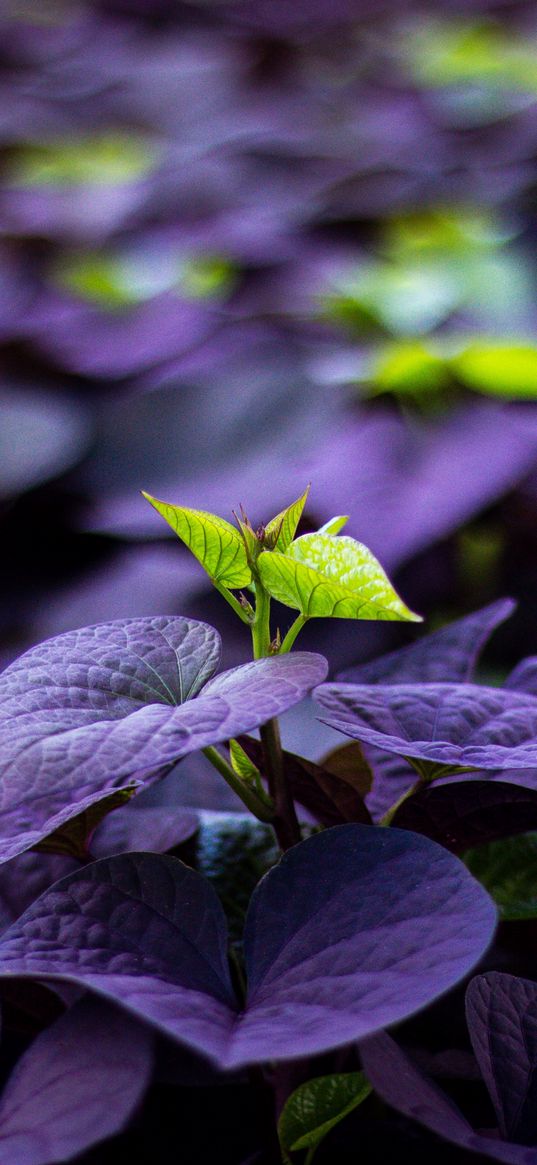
x: 447, y: 656
x: 450, y: 724
x: 78, y: 1083
x: 357, y: 928
x: 111, y: 707
x: 502, y: 1019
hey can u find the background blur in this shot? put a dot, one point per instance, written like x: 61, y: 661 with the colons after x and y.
x: 247, y: 244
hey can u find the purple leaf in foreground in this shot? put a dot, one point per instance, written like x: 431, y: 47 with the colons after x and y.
x: 450, y: 724
x: 407, y: 1089
x: 78, y: 1083
x: 448, y: 655
x: 461, y: 814
x: 111, y: 707
x: 357, y: 928
x: 156, y: 828
x: 502, y: 1019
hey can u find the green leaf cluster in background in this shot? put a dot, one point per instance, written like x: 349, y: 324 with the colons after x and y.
x: 97, y: 160
x: 114, y: 280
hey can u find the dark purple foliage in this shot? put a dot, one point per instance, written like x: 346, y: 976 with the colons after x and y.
x: 446, y: 656
x: 462, y: 814
x: 502, y: 1019
x: 450, y: 724
x: 356, y: 928
x: 404, y: 1086
x: 112, y: 707
x: 78, y: 1083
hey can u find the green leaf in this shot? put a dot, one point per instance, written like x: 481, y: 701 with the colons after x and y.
x: 215, y: 543
x: 102, y: 160
x: 285, y: 523
x: 72, y: 838
x: 334, y: 525
x: 508, y: 870
x: 326, y: 576
x: 317, y: 1106
x: 408, y: 367
x: 241, y: 763
x: 499, y: 369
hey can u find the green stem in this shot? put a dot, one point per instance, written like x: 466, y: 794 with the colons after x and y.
x: 309, y: 1155
x: 262, y: 809
x: 292, y: 633
x: 285, y: 822
x: 261, y: 624
x: 233, y: 602
x: 390, y: 814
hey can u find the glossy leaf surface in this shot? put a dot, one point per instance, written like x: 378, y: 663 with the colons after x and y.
x: 449, y: 724
x: 323, y: 575
x: 317, y: 1106
x: 78, y: 1083
x: 356, y: 928
x: 215, y: 543
x: 110, y: 708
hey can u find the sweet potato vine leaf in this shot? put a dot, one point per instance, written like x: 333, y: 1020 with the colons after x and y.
x: 324, y: 575
x: 113, y: 707
x: 355, y: 929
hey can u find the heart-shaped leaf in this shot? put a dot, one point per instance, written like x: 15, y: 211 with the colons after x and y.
x: 453, y: 725
x: 322, y: 575
x: 317, y: 1106
x: 78, y: 1083
x: 446, y: 656
x: 508, y: 869
x: 110, y: 707
x: 216, y: 544
x: 501, y: 1011
x: 356, y: 928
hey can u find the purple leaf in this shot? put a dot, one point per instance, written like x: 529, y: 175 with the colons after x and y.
x: 353, y: 930
x: 356, y: 928
x: 502, y: 1019
x: 155, y: 828
x: 78, y: 1083
x: 406, y: 1088
x: 462, y: 814
x: 27, y: 876
x: 110, y: 707
x: 523, y: 678
x: 41, y: 435
x: 145, y: 931
x: 450, y: 724
x: 448, y: 655
x: 330, y: 798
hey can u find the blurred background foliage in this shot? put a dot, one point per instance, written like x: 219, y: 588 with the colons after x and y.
x: 247, y: 244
